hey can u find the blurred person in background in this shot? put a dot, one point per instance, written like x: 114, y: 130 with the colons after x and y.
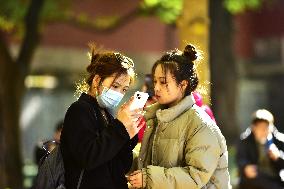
x: 44, y: 146
x: 260, y: 156
x: 182, y: 147
x: 97, y: 145
x: 147, y: 88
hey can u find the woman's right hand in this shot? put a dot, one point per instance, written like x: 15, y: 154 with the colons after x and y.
x: 130, y: 119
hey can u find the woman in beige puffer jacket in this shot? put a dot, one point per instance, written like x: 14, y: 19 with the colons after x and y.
x: 182, y: 147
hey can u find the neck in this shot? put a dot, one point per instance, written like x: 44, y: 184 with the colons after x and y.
x: 92, y: 93
x: 175, y: 102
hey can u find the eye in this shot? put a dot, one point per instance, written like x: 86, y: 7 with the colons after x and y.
x: 163, y: 81
x: 115, y: 86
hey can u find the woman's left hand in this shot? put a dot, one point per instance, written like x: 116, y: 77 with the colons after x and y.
x: 135, y: 179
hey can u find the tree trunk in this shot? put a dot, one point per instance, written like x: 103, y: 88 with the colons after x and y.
x: 10, y: 97
x: 223, y: 70
x: 193, y: 27
x: 12, y: 75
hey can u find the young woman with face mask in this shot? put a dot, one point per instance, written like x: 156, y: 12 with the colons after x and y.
x: 93, y: 138
x: 182, y: 147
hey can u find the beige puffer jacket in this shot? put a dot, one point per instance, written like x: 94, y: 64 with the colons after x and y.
x: 183, y: 148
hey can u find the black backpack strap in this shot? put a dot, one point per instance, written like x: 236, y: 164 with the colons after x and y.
x: 80, y: 179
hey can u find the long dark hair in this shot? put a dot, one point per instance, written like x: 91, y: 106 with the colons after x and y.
x: 181, y: 66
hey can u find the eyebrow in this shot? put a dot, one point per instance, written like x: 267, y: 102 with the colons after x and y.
x: 163, y: 78
x: 160, y: 77
x: 120, y: 84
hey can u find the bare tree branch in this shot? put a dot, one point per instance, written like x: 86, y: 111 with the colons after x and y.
x: 100, y: 25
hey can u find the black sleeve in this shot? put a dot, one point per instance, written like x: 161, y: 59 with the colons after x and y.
x: 242, y: 156
x: 39, y: 153
x: 126, y: 154
x: 80, y: 136
x: 280, y: 145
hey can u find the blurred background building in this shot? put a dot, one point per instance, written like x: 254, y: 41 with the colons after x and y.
x: 259, y: 47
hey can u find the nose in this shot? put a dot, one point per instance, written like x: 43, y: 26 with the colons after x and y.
x: 156, y: 88
x: 119, y: 90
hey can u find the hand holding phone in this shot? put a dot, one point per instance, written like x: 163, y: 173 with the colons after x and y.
x: 129, y: 113
x: 139, y: 101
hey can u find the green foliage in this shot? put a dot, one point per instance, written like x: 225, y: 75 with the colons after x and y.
x: 238, y: 6
x: 55, y: 9
x: 12, y: 13
x: 166, y: 10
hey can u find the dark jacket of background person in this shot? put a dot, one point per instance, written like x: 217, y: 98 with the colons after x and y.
x: 103, y: 148
x: 49, y: 145
x: 247, y: 153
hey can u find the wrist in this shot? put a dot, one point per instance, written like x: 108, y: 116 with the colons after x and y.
x: 144, y: 177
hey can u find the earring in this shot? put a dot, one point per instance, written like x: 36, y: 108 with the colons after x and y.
x: 96, y: 91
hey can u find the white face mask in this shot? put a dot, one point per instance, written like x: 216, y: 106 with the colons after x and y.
x: 109, y: 99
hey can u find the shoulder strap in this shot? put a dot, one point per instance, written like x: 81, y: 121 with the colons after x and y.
x: 80, y: 179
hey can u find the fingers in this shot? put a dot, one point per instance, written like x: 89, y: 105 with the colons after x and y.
x: 136, y: 116
x: 141, y: 120
x: 127, y: 104
x: 141, y: 125
x: 135, y: 179
x: 135, y: 172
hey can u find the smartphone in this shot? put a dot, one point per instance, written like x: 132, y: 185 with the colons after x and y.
x: 140, y: 99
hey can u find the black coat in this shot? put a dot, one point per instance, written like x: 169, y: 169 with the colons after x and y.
x: 102, y: 148
x: 247, y: 151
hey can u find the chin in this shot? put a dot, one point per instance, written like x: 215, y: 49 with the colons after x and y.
x: 162, y: 102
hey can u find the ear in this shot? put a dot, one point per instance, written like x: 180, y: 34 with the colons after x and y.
x: 183, y: 85
x: 96, y: 81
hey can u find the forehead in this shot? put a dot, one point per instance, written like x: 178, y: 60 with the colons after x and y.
x: 261, y: 125
x: 123, y: 80
x: 160, y: 72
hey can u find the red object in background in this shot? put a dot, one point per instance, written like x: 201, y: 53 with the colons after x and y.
x: 142, y: 130
x: 199, y: 102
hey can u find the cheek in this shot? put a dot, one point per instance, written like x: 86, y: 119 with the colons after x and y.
x: 167, y: 97
x: 120, y: 90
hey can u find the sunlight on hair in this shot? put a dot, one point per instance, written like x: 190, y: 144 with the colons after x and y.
x: 203, y: 90
x: 81, y: 87
x: 89, y: 56
x: 200, y: 55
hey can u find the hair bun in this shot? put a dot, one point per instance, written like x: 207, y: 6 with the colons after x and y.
x: 190, y: 52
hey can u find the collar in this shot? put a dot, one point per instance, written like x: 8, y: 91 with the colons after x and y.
x: 169, y: 114
x: 88, y: 98
x: 93, y: 101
